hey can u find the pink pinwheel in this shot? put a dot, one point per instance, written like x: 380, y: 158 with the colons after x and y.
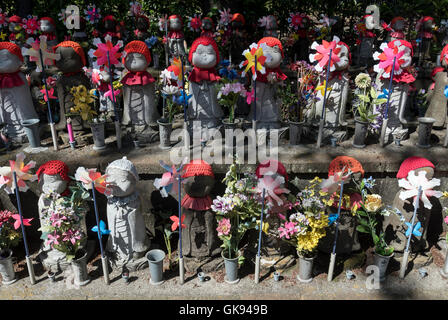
x: 109, y: 93
x: 22, y: 171
x: 3, y: 22
x: 297, y: 20
x: 92, y: 14
x: 135, y: 8
x: 50, y: 94
x: 331, y: 184
x: 169, y: 180
x: 104, y: 48
x: 263, y: 21
x: 195, y: 23
x: 398, y: 49
x: 48, y: 56
x: 323, y: 54
x: 87, y: 176
x: 163, y: 22
x: 26, y: 222
x: 273, y: 188
x: 225, y: 17
x: 31, y: 24
x: 175, y: 224
x: 412, y: 185
x: 53, y: 239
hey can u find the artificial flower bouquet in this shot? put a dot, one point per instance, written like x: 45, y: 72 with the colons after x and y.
x: 9, y: 223
x: 367, y: 104
x: 236, y: 211
x: 228, y: 94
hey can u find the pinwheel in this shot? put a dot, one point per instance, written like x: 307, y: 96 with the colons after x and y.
x: 31, y: 24
x: 326, y: 21
x: 414, y: 229
x: 256, y: 57
x: 414, y: 182
x: 40, y: 54
x: 331, y: 184
x: 182, y: 99
x: 22, y: 171
x: 394, y: 54
x: 263, y: 21
x: 296, y: 20
x: 135, y: 8
x: 92, y: 14
x: 111, y: 95
x: 384, y: 95
x: 321, y: 88
x: 3, y: 19
x: 2, y: 36
x: 163, y: 22
x: 50, y: 94
x: 225, y: 17
x: 168, y: 181
x: 102, y: 230
x: 90, y: 177
x: 175, y: 224
x: 195, y: 23
x: 13, y: 178
x: 322, y: 55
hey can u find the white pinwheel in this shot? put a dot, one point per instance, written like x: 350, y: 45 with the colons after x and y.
x: 273, y: 188
x: 48, y: 56
x: 413, y: 182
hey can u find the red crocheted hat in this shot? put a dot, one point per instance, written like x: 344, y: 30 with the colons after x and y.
x: 52, y: 168
x: 15, y: 19
x: 197, y: 168
x: 342, y: 162
x: 444, y: 54
x: 403, y: 42
x: 174, y: 16
x: 109, y: 18
x: 204, y: 41
x: 435, y: 71
x: 413, y: 163
x: 76, y: 46
x: 49, y: 20
x: 272, y: 42
x: 396, y: 19
x: 138, y: 46
x: 238, y: 17
x: 271, y: 166
x: 12, y: 48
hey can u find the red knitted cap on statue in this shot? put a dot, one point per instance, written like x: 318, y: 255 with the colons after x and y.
x: 109, y: 17
x: 272, y: 42
x: 13, y: 48
x: 15, y: 19
x: 271, y: 166
x: 205, y: 41
x: 413, y: 163
x: 444, y: 54
x: 76, y: 46
x: 435, y: 71
x: 197, y: 168
x: 238, y: 17
x: 396, y: 19
x: 138, y: 47
x: 174, y: 16
x: 49, y: 20
x: 52, y: 168
x: 341, y: 162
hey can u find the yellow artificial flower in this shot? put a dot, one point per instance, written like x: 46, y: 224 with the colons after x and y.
x: 445, y: 194
x: 373, y: 202
x: 265, y: 227
x: 315, y: 180
x: 321, y: 88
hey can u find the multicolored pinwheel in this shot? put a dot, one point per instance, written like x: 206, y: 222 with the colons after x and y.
x: 225, y: 17
x: 18, y: 166
x: 102, y: 49
x: 195, y: 23
x: 92, y: 14
x: 135, y: 8
x: 87, y: 176
x: 31, y: 24
x: 412, y: 184
x: 323, y: 54
x: 37, y: 46
x: 394, y: 49
x: 258, y: 51
x: 167, y: 182
x: 331, y: 185
x: 297, y: 20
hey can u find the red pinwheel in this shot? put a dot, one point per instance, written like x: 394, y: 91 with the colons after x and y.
x: 104, y: 48
x: 175, y: 224
x: 398, y: 49
x: 323, y: 54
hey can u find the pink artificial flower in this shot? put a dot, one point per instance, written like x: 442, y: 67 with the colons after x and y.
x: 53, y: 239
x: 446, y: 219
x: 223, y: 227
x: 288, y: 230
x: 26, y: 222
x: 175, y: 224
x: 50, y: 94
x: 71, y: 236
x: 250, y: 96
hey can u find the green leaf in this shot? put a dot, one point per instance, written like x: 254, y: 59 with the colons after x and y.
x: 373, y: 92
x: 364, y: 98
x: 241, y: 259
x: 376, y: 239
x: 379, y: 101
x: 364, y: 222
x: 362, y: 229
x: 361, y: 213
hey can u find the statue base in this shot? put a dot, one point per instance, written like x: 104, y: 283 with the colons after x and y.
x: 132, y: 265
x: 205, y: 264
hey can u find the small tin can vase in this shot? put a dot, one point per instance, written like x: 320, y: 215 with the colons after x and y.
x: 165, y: 129
x: 295, y: 132
x: 7, y: 267
x: 98, y: 135
x: 31, y: 127
x: 360, y: 133
x: 424, y: 132
x: 231, y: 266
x: 155, y: 260
x: 79, y: 267
x: 382, y: 262
x: 305, y: 274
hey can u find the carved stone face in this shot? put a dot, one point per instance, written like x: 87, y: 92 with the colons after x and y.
x: 399, y: 25
x: 175, y: 24
x: 344, y: 59
x: 370, y: 22
x: 52, y: 183
x: 237, y: 24
x: 14, y: 27
x: 136, y: 62
x: 109, y: 25
x: 207, y: 25
x: 204, y: 57
x: 121, y: 182
x: 46, y: 26
x: 272, y: 23
x: 427, y: 25
x: 199, y: 186
x: 9, y: 62
x: 276, y: 55
x: 70, y: 61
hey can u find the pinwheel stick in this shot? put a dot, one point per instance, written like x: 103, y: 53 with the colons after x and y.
x: 166, y: 43
x: 445, y: 142
x: 336, y: 231
x: 54, y: 135
x: 184, y: 102
x: 257, y: 259
x: 386, y: 115
x: 322, y: 117
x: 117, y: 115
x: 404, y: 261
x: 29, y: 262
x: 181, y: 258
x: 254, y: 121
x: 103, y: 256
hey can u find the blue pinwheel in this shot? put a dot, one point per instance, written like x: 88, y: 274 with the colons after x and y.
x: 384, y: 95
x: 226, y: 72
x: 415, y: 230
x: 166, y: 183
x: 332, y: 218
x: 445, y: 92
x: 150, y: 42
x: 182, y: 99
x: 103, y: 229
